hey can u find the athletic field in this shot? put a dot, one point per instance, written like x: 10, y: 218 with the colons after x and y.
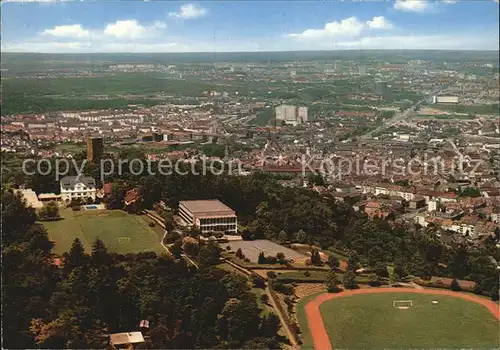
x: 397, y: 320
x: 121, y: 232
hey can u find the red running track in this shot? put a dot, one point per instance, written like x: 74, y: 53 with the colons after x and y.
x: 317, y: 327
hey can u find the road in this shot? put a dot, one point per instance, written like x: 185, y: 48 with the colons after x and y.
x: 399, y: 116
x: 152, y: 215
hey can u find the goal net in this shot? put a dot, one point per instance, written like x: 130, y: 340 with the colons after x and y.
x: 402, y: 304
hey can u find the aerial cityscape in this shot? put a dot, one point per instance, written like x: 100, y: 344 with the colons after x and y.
x: 250, y: 175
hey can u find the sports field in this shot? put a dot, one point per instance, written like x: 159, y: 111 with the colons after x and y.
x: 121, y: 232
x: 372, y: 321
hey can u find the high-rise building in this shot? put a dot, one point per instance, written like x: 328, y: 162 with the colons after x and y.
x: 302, y: 114
x: 286, y: 113
x: 362, y: 70
x: 291, y: 114
x: 95, y: 149
x: 381, y: 89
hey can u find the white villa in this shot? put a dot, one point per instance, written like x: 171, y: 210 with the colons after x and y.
x: 77, y: 187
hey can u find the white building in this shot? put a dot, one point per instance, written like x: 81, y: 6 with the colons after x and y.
x: 445, y: 99
x: 209, y: 216
x: 286, y: 113
x: 77, y: 187
x: 291, y: 114
x: 432, y: 205
x: 302, y: 114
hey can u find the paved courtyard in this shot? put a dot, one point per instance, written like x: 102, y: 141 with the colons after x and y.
x: 252, y: 249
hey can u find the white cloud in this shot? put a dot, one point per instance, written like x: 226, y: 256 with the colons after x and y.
x: 379, y: 22
x: 67, y: 31
x: 454, y: 41
x: 159, y: 25
x: 451, y: 2
x: 127, y: 29
x: 412, y: 5
x: 347, y: 28
x: 189, y: 11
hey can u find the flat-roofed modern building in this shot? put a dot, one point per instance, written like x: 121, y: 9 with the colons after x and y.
x: 209, y: 216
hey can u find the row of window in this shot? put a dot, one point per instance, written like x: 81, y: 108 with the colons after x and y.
x: 231, y: 220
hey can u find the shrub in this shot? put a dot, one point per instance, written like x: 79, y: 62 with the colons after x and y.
x: 246, y: 260
x: 307, y: 274
x: 271, y: 274
x: 171, y: 238
x: 239, y: 254
x: 455, y: 286
x: 258, y: 281
x: 264, y: 298
x: 228, y: 248
x: 151, y: 224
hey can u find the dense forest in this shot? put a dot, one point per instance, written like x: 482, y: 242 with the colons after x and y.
x: 95, y: 294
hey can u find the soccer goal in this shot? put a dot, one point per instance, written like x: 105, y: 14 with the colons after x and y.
x: 402, y: 304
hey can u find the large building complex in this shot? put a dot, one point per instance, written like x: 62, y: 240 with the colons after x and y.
x: 77, y: 187
x: 445, y: 99
x: 95, y: 148
x: 291, y: 114
x: 209, y: 216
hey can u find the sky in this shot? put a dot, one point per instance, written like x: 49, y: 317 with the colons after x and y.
x: 231, y: 26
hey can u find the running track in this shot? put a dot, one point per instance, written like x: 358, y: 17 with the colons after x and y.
x: 317, y: 327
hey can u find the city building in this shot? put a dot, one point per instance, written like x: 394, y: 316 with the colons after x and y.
x: 362, y: 70
x: 95, y: 149
x: 445, y: 99
x: 302, y: 114
x: 381, y: 89
x: 291, y: 114
x: 77, y: 187
x: 209, y: 216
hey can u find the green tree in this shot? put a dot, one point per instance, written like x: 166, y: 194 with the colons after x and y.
x: 333, y: 262
x: 349, y: 280
x: 282, y: 237
x: 315, y: 257
x: 49, y: 211
x: 190, y: 246
x: 302, y: 236
x: 209, y: 254
x: 331, y: 282
x: 353, y: 262
x: 262, y: 258
x: 76, y: 256
x: 100, y: 255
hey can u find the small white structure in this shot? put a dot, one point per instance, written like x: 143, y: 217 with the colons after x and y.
x: 77, y: 187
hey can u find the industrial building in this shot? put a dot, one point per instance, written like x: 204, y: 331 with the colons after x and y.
x: 445, y: 99
x: 95, y: 149
x: 209, y: 216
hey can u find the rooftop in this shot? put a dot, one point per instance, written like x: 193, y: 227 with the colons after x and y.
x: 211, y: 206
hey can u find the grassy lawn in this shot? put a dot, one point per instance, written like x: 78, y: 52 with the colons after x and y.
x: 371, y: 321
x: 299, y: 276
x: 121, y: 232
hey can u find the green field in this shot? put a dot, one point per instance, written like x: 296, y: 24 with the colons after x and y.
x: 121, y: 232
x: 371, y: 321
